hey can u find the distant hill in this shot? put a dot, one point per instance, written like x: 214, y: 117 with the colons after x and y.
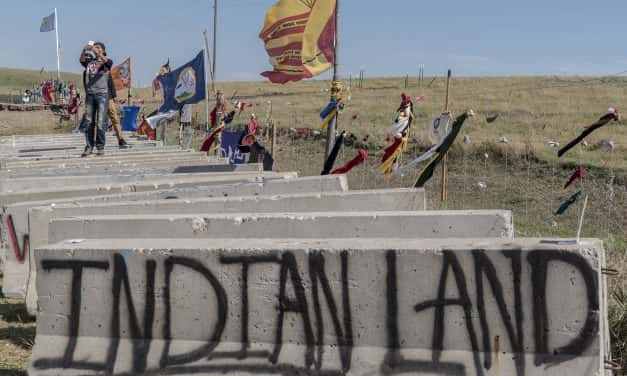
x: 13, y: 81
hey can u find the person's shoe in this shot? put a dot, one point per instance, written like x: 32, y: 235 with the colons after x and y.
x: 100, y: 152
x: 87, y: 151
x: 122, y: 144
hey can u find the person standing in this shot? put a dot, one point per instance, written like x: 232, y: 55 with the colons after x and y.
x: 95, y: 79
x: 114, y: 116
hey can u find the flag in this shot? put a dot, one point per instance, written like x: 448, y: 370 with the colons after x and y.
x: 185, y: 85
x: 359, y: 159
x: 299, y: 37
x: 121, y: 75
x: 229, y: 146
x: 329, y: 112
x: 579, y: 173
x: 566, y: 204
x: 206, y: 146
x: 612, y: 114
x: 47, y: 24
x: 442, y: 149
x: 399, y: 135
x: 156, y: 86
x: 328, y: 164
x: 154, y: 120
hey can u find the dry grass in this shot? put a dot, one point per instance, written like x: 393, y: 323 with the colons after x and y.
x: 17, y: 336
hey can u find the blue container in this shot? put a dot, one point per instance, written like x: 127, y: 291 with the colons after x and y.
x: 129, y: 120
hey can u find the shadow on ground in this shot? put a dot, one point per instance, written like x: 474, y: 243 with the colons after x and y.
x: 12, y: 372
x: 23, y: 337
x: 13, y: 312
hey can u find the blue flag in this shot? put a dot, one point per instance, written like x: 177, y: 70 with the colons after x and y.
x: 230, y: 147
x: 185, y: 85
x: 47, y: 24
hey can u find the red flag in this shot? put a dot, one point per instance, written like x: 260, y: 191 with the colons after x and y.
x: 209, y: 141
x: 579, y: 173
x: 359, y: 159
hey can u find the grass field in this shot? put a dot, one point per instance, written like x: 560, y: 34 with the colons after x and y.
x: 523, y: 175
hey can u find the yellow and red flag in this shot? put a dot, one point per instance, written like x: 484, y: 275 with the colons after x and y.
x: 121, y: 75
x: 299, y: 36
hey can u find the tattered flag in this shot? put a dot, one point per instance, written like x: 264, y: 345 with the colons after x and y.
x: 359, y: 159
x: 328, y: 164
x: 427, y: 172
x: 206, y: 146
x: 579, y: 173
x: 567, y: 204
x: 612, y: 114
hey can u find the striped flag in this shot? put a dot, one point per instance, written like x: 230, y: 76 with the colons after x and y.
x: 47, y: 24
x: 299, y: 36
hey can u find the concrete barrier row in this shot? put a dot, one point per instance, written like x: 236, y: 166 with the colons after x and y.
x: 240, y: 271
x: 19, y: 234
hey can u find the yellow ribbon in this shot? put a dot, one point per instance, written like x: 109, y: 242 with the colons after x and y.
x: 328, y: 119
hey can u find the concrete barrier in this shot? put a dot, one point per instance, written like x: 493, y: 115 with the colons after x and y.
x: 77, y: 147
x: 120, y: 168
x: 108, y: 160
x: 17, y: 254
x: 20, y: 184
x: 324, y: 307
x: 17, y: 159
x: 146, y: 185
x: 39, y: 218
x: 157, y: 153
x: 413, y: 225
x: 376, y: 200
x: 120, y: 161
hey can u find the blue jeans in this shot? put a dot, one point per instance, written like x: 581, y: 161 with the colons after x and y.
x: 96, y: 104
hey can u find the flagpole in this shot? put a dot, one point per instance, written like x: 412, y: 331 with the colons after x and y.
x: 56, y: 32
x: 445, y: 159
x: 215, y: 38
x: 214, y: 76
x: 207, y: 66
x: 333, y: 123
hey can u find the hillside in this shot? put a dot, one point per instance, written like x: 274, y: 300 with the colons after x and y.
x: 15, y: 80
x: 522, y: 174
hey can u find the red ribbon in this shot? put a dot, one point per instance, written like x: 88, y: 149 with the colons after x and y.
x: 359, y: 159
x: 579, y: 173
x: 209, y: 141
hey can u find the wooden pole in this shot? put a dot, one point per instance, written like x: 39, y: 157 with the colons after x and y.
x: 331, y: 128
x: 445, y: 159
x: 583, y: 213
x: 273, y: 142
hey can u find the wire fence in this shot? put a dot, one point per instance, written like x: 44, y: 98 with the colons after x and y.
x: 489, y: 176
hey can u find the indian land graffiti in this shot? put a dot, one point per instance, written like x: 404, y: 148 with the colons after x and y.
x: 328, y: 307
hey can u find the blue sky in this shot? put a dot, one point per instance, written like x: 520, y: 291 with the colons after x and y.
x: 385, y: 37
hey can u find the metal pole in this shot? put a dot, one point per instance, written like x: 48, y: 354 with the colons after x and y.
x: 56, y: 32
x: 215, y: 32
x: 333, y: 123
x: 207, y: 67
x: 445, y: 159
